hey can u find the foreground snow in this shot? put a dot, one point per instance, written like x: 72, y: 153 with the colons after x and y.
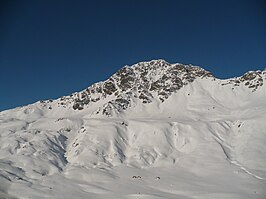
x: 205, y: 141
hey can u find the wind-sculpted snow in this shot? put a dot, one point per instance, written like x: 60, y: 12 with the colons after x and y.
x: 203, y: 138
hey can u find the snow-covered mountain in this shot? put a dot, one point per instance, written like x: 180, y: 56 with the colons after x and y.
x: 152, y: 130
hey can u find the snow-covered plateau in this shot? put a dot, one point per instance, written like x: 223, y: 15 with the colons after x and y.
x: 152, y: 130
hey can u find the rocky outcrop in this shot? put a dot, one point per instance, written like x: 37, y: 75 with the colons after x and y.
x: 251, y: 79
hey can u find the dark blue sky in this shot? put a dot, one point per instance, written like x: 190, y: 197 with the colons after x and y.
x: 50, y: 48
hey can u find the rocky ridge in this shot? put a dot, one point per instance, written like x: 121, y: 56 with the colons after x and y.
x: 145, y: 81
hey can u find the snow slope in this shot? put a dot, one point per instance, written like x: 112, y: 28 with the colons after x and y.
x: 152, y: 130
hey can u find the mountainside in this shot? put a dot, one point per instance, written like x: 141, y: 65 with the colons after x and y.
x: 152, y: 130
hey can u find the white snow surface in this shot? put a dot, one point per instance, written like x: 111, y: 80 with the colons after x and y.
x: 207, y: 139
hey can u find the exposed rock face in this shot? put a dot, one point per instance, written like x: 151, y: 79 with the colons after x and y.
x: 143, y: 81
x: 252, y: 79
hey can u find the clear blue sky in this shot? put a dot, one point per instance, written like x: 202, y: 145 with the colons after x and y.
x: 51, y: 48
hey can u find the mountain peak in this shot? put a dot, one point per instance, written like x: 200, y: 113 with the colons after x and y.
x: 144, y: 81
